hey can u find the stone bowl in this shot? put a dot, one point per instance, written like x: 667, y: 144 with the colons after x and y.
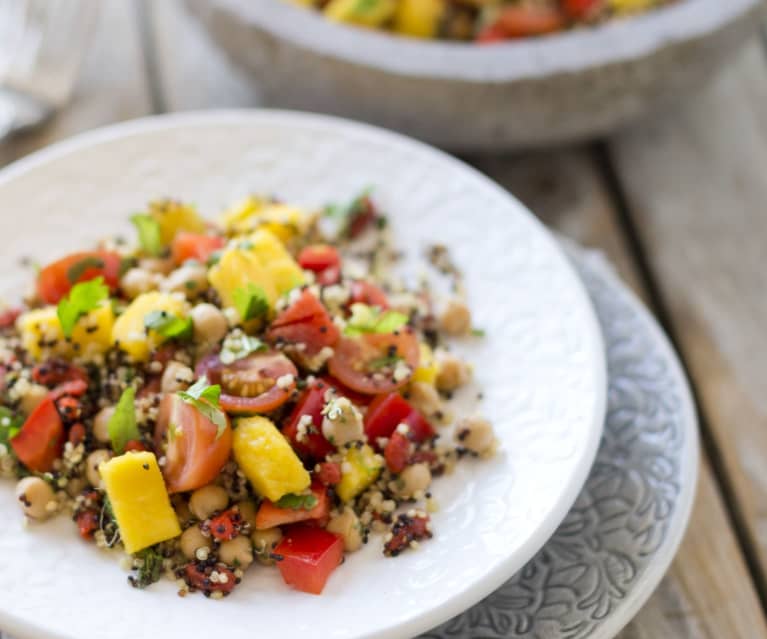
x: 533, y: 92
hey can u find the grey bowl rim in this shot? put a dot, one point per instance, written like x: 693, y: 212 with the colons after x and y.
x: 571, y: 52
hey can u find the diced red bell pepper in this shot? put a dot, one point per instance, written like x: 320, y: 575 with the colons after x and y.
x: 397, y: 452
x: 405, y: 530
x: 306, y: 321
x: 226, y: 525
x: 329, y: 473
x: 324, y: 261
x: 195, y: 246
x: 197, y: 575
x: 87, y: 523
x: 269, y: 515
x: 307, y: 556
x: 387, y: 411
x: 313, y: 444
x: 41, y: 438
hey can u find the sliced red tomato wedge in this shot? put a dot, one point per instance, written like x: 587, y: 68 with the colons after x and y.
x: 304, y: 322
x: 57, y: 279
x: 368, y: 293
x: 324, y: 261
x: 41, y: 438
x: 194, y: 246
x: 195, y: 451
x: 249, y: 385
x: 269, y: 515
x: 388, y: 411
x: 360, y: 362
x: 312, y: 445
x: 308, y: 556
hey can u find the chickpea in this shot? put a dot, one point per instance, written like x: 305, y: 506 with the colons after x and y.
x: 176, y: 377
x: 181, y: 506
x: 451, y: 372
x: 75, y: 486
x: 210, y: 324
x: 192, y: 540
x: 342, y: 422
x: 347, y: 524
x: 475, y: 434
x: 92, y: 462
x: 236, y: 552
x: 426, y: 399
x: 137, y: 281
x: 101, y: 424
x: 190, y: 279
x: 35, y: 393
x: 161, y: 266
x: 207, y: 500
x: 264, y: 542
x: 413, y: 479
x: 35, y: 497
x: 456, y: 318
x: 247, y: 512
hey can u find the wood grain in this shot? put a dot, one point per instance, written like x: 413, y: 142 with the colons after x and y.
x: 694, y: 179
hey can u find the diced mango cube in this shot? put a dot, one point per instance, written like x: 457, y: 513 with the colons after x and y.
x: 285, y: 272
x: 173, y: 216
x: 140, y: 502
x: 427, y: 366
x: 372, y: 13
x: 284, y: 221
x: 360, y: 468
x: 267, y: 459
x: 42, y: 337
x: 419, y: 18
x: 129, y: 331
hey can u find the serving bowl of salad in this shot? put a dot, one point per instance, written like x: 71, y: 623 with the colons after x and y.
x: 469, y: 75
x: 267, y: 368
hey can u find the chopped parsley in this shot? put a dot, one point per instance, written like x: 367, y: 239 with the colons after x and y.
x: 149, y: 236
x: 122, y: 426
x: 168, y: 325
x: 370, y: 319
x: 251, y: 302
x: 297, y: 502
x: 205, y: 398
x: 82, y: 299
x: 238, y: 345
x: 77, y: 270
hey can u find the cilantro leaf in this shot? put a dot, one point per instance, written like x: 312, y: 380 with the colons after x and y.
x: 76, y: 271
x: 122, y: 426
x: 149, y: 236
x: 82, y: 299
x: 10, y: 424
x: 370, y: 319
x: 205, y: 398
x: 251, y: 302
x: 168, y: 325
x: 297, y: 502
x: 238, y: 345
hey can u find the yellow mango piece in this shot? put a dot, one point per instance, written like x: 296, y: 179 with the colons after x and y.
x: 139, y: 499
x: 371, y: 13
x: 42, y: 337
x: 631, y: 6
x: 129, y: 332
x: 267, y: 459
x: 360, y: 468
x: 286, y: 222
x: 419, y: 18
x: 427, y: 366
x: 173, y: 216
x: 285, y: 272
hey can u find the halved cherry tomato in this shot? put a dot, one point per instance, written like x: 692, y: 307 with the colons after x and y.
x: 388, y: 411
x: 367, y: 293
x: 194, y: 246
x: 521, y: 22
x: 324, y: 261
x: 304, y: 322
x: 307, y: 557
x: 312, y: 445
x: 41, y: 439
x: 194, y: 450
x: 269, y: 515
x: 355, y: 360
x: 329, y: 473
x: 581, y: 9
x: 397, y: 452
x: 57, y: 371
x: 56, y: 279
x: 249, y: 385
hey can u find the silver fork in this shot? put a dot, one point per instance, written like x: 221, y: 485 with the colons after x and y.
x: 42, y: 43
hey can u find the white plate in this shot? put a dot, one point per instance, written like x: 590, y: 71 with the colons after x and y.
x: 541, y: 368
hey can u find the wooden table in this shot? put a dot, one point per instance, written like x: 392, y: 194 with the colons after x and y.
x: 678, y: 202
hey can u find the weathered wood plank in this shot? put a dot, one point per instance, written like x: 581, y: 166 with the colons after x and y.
x: 694, y: 180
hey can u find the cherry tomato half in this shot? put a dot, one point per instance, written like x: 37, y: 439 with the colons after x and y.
x: 304, y: 322
x: 313, y: 444
x: 324, y: 261
x: 56, y: 280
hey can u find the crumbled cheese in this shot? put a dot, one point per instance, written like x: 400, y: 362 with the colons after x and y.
x: 284, y: 382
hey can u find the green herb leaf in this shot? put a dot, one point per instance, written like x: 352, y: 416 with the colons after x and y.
x: 251, y: 302
x: 168, y: 325
x: 370, y: 319
x: 151, y: 568
x: 122, y: 426
x: 149, y: 236
x: 345, y: 214
x: 238, y: 345
x: 10, y: 424
x: 76, y: 271
x: 382, y: 362
x: 205, y: 398
x: 478, y: 332
x: 82, y: 299
x: 297, y: 502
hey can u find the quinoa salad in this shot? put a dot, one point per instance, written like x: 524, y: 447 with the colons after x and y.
x: 480, y: 21
x: 258, y: 392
